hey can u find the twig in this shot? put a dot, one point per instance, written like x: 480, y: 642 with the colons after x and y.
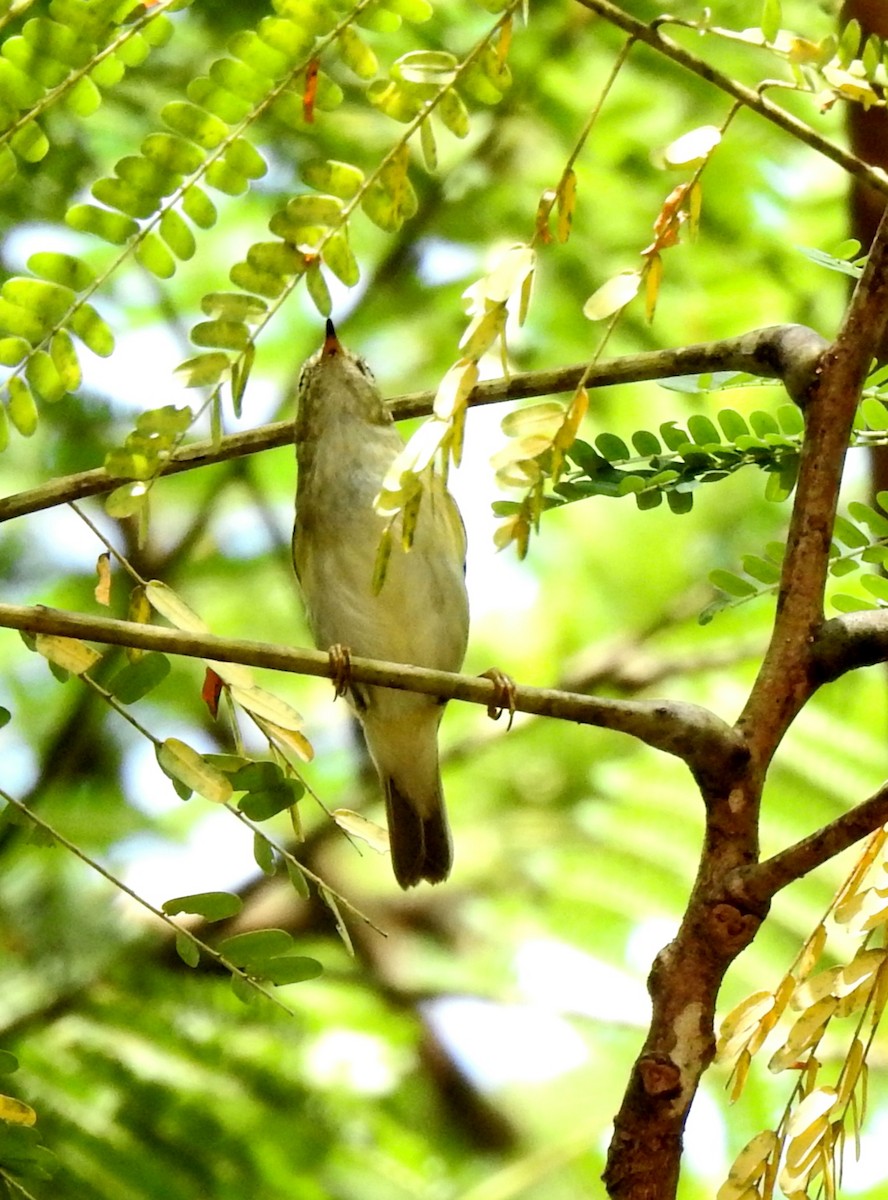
x: 757, y: 884
x: 787, y: 352
x: 748, y: 97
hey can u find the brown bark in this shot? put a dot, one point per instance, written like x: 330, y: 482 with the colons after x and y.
x: 732, y: 892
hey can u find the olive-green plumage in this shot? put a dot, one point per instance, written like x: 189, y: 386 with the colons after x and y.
x: 345, y: 443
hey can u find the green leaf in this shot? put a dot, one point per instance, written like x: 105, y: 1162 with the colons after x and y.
x: 762, y: 569
x: 92, y: 330
x: 126, y: 501
x: 318, y: 290
x: 247, y: 949
x: 198, y: 207
x: 290, y: 968
x: 126, y: 197
x: 177, y: 235
x: 233, y: 306
x: 84, y: 98
x: 261, y: 803
x: 43, y: 377
x: 18, y: 89
x: 204, y: 370
x: 297, y: 881
x: 9, y: 1064
x: 874, y: 521
x: 154, y: 256
x: 243, y: 158
x: 243, y: 989
x: 30, y: 142
x: 429, y: 148
x: 212, y: 906
x: 340, y: 179
x: 646, y: 444
x: 49, y: 302
x: 263, y: 853
x: 13, y: 350
x: 65, y: 360
x: 137, y: 679
x: 181, y: 762
x: 771, y: 19
x: 356, y: 54
x: 63, y: 269
x: 276, y: 258
x: 18, y: 322
x: 337, y: 255
x: 844, y: 603
x: 876, y: 585
x: 673, y: 435
x: 266, y: 60
x: 177, y: 155
x: 453, y: 113
x: 702, y: 430
x: 5, y: 718
x: 109, y: 226
x: 849, y: 534
x: 611, y: 447
x: 187, y: 949
x: 251, y: 279
x: 21, y: 406
x: 791, y: 420
x: 194, y: 123
x: 434, y: 67
x: 726, y: 581
x: 224, y: 178
x: 224, y: 335
x: 733, y: 425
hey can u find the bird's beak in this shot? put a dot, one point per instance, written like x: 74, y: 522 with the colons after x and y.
x: 331, y: 341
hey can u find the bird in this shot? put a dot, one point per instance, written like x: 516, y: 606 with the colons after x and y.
x: 346, y: 442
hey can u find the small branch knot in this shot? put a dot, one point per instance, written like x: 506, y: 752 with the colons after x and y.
x: 731, y: 929
x: 659, y: 1075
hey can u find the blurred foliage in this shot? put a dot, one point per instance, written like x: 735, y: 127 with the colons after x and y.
x: 481, y: 1047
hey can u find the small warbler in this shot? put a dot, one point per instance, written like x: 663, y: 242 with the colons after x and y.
x: 345, y: 443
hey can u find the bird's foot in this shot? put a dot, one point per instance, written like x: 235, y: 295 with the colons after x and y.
x: 340, y: 667
x: 504, y: 696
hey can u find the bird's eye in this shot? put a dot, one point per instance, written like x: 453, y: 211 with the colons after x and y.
x: 361, y: 364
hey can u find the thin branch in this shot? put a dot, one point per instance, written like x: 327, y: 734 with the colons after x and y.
x: 157, y: 912
x: 690, y: 732
x: 786, y: 352
x: 755, y: 885
x: 748, y: 97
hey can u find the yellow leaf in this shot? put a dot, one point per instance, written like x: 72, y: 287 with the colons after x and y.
x: 180, y: 760
x: 69, y: 653
x: 811, y: 1111
x: 270, y: 708
x: 103, y: 585
x: 742, y: 1020
x: 567, y: 202
x: 693, y: 147
x: 612, y: 295
x: 165, y: 601
x: 506, y: 278
x: 750, y: 1163
x: 482, y: 332
x: 288, y: 739
x: 375, y: 836
x: 454, y: 389
x: 652, y: 280
x: 543, y: 419
x: 811, y: 952
x: 16, y: 1112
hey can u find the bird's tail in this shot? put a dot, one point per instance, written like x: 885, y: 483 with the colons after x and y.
x: 420, y: 841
